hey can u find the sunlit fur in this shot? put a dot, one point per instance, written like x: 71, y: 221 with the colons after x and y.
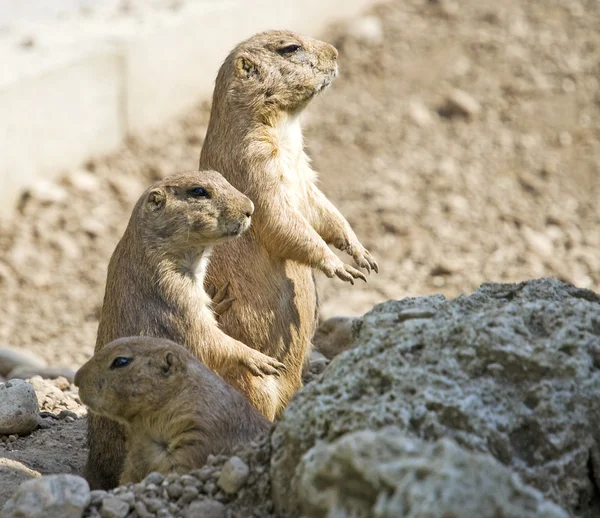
x: 174, y: 410
x: 154, y: 287
x: 254, y: 139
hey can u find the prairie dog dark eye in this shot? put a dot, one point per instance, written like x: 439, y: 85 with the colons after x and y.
x: 289, y: 49
x: 120, y: 361
x: 198, y: 192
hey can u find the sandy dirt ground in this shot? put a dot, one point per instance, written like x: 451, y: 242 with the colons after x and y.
x: 499, y: 181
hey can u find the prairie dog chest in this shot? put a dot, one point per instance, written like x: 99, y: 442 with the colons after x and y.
x: 193, y: 270
x: 292, y: 163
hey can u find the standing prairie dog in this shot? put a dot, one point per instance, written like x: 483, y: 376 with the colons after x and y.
x: 154, y: 287
x: 175, y: 411
x: 254, y: 139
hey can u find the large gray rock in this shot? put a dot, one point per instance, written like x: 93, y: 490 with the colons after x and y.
x: 511, y: 370
x: 19, y: 412
x: 387, y: 474
x: 53, y: 496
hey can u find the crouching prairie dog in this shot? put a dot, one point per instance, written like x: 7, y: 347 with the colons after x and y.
x: 175, y: 411
x: 154, y: 287
x: 254, y: 139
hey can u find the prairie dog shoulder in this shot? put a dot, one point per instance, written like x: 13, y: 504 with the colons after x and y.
x: 174, y: 409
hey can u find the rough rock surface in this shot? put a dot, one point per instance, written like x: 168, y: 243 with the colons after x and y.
x: 57, y: 395
x: 512, y: 370
x: 389, y: 475
x: 19, y: 412
x: 54, y: 496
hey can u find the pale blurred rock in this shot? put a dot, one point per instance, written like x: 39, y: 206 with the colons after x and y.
x: 52, y: 496
x: 84, y: 181
x: 205, y: 509
x: 334, y: 336
x: 459, y: 102
x: 51, y: 373
x: 12, y: 358
x: 419, y: 113
x: 367, y: 29
x: 538, y: 242
x: 48, y: 191
x: 113, y: 507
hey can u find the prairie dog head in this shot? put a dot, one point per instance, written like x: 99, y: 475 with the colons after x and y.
x: 131, y: 376
x: 192, y: 210
x: 277, y: 70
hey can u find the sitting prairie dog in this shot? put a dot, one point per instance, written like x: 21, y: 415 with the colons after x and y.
x: 174, y: 409
x: 154, y: 287
x: 254, y: 139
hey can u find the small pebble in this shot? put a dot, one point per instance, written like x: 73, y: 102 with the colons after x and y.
x: 141, y: 510
x: 210, y: 488
x: 153, y: 504
x: 234, y: 475
x: 461, y: 103
x: 204, y: 473
x: 174, y: 490
x: 113, y: 507
x: 205, y: 509
x: 97, y: 495
x: 154, y: 478
x: 188, y: 480
x: 189, y: 493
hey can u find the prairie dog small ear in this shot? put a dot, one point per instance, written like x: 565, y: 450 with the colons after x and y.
x: 157, y: 198
x: 169, y: 363
x: 245, y: 67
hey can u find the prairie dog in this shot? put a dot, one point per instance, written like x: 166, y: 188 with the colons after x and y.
x: 155, y: 288
x: 254, y: 139
x: 174, y: 409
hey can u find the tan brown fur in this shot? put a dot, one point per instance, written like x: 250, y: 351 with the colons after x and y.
x: 175, y: 411
x: 254, y: 139
x: 154, y: 287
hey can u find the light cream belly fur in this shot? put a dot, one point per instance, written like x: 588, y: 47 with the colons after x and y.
x: 275, y: 304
